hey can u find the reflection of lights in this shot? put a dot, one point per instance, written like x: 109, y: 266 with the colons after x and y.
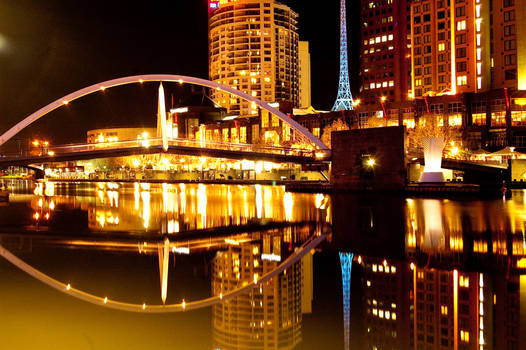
x: 270, y: 257
x: 181, y: 250
x: 36, y: 216
x: 145, y: 196
x: 50, y: 189
x: 321, y: 201
x: 259, y: 202
x: 173, y: 226
x: 38, y: 189
x: 201, y: 204
x: 231, y: 241
x: 288, y: 203
x: 40, y: 202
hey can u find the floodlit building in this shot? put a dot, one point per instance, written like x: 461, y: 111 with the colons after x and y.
x: 253, y: 47
x: 467, y: 46
x: 304, y: 75
x: 385, y: 49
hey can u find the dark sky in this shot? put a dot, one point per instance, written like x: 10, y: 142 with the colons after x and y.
x: 49, y: 48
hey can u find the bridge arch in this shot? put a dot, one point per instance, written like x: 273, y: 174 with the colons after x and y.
x: 306, y: 248
x: 159, y: 77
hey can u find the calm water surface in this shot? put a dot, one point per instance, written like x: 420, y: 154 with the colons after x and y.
x: 258, y: 268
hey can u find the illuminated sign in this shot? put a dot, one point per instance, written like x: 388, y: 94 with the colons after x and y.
x: 215, y: 4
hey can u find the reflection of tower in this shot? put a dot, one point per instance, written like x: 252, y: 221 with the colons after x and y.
x: 346, y: 264
x: 344, y: 99
x: 268, y: 317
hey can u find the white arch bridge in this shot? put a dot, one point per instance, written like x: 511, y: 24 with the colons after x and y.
x: 316, y: 151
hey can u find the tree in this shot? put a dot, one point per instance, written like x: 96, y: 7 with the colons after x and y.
x: 427, y: 126
x: 336, y: 125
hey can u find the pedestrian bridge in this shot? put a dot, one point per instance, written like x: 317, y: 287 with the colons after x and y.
x: 188, y: 147
x: 319, y: 150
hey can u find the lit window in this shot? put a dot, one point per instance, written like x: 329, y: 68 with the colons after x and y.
x: 461, y: 25
x: 464, y: 336
x: 441, y: 46
x: 390, y: 37
x: 443, y: 310
x: 462, y: 80
x: 384, y: 38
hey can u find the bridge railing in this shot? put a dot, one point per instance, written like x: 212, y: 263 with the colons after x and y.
x: 192, y: 143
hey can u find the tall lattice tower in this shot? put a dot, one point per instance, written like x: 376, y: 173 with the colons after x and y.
x: 346, y: 263
x: 344, y: 99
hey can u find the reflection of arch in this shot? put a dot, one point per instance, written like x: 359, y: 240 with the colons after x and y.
x: 158, y: 77
x: 310, y: 244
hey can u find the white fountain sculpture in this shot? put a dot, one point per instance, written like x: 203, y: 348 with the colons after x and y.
x: 433, y: 147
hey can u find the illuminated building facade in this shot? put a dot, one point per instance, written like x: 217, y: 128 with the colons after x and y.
x: 119, y: 134
x: 450, y: 49
x: 509, y: 45
x: 467, y: 46
x: 385, y: 50
x: 253, y: 47
x: 268, y: 317
x: 304, y: 74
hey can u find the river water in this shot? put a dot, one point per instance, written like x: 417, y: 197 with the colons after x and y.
x: 113, y: 265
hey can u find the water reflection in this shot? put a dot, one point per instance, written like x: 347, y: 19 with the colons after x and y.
x: 166, y: 208
x: 458, y: 284
x: 268, y: 317
x: 426, y: 273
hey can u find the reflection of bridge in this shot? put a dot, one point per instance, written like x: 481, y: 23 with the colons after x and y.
x: 200, y: 148
x: 164, y: 248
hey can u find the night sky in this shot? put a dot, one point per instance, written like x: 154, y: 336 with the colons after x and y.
x: 51, y: 48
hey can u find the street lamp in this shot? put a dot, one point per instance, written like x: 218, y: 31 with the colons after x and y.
x: 356, y: 102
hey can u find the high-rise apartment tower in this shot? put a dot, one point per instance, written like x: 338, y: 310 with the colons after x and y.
x: 253, y: 47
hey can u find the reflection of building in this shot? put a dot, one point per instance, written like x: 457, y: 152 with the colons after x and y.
x: 451, y: 309
x: 253, y: 47
x: 268, y: 317
x: 387, y: 303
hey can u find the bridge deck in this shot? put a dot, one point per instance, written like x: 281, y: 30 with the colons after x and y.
x: 175, y: 146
